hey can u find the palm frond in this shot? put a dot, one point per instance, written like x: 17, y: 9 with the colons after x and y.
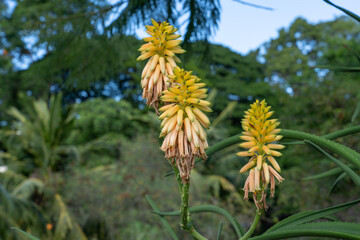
x: 27, y: 188
x: 66, y: 226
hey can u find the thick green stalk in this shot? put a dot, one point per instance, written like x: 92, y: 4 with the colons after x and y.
x: 177, y: 175
x: 196, y: 235
x: 253, y: 226
x: 185, y: 214
x: 185, y: 217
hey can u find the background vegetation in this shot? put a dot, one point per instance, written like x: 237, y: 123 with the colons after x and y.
x: 79, y: 150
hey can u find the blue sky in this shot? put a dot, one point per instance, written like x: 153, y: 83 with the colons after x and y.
x: 244, y: 28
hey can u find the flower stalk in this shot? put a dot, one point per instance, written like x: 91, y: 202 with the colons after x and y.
x: 252, y: 227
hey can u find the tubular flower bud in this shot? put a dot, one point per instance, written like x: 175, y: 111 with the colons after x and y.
x: 160, y: 49
x: 183, y: 130
x: 260, y: 136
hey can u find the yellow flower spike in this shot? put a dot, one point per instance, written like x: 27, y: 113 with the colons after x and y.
x: 184, y: 134
x: 260, y: 136
x: 160, y: 47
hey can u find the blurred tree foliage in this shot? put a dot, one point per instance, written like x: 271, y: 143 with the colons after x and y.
x: 73, y: 45
x: 318, y: 97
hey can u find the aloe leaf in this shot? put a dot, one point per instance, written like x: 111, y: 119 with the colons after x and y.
x: 338, y: 230
x: 219, y: 231
x: 25, y: 233
x: 307, y: 216
x: 286, y: 133
x: 353, y: 51
x: 337, y: 180
x: 351, y: 14
x: 349, y: 171
x: 209, y: 208
x: 346, y: 152
x: 162, y: 219
x: 356, y: 112
x: 340, y: 68
x: 329, y: 173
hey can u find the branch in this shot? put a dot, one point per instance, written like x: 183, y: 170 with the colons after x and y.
x: 254, y: 5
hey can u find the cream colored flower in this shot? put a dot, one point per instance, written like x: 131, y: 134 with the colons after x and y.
x: 161, y: 48
x: 261, y: 136
x: 184, y: 121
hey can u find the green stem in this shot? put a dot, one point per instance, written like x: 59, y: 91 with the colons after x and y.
x: 177, y: 175
x: 253, y: 227
x: 185, y: 214
x: 196, y: 235
x: 185, y: 217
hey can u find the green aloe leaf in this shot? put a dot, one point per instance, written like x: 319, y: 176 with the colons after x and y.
x: 219, y: 231
x: 340, y: 68
x: 353, y: 51
x: 347, y: 153
x: 338, y: 230
x: 329, y: 173
x: 337, y: 180
x: 356, y: 113
x: 162, y: 219
x: 25, y: 233
x: 354, y: 177
x: 209, y: 208
x: 351, y: 14
x: 308, y: 216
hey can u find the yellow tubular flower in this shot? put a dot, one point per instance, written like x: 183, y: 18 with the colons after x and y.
x: 161, y: 49
x: 184, y: 122
x: 260, y: 135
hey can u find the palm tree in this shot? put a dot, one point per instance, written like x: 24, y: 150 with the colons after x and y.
x: 42, y: 131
